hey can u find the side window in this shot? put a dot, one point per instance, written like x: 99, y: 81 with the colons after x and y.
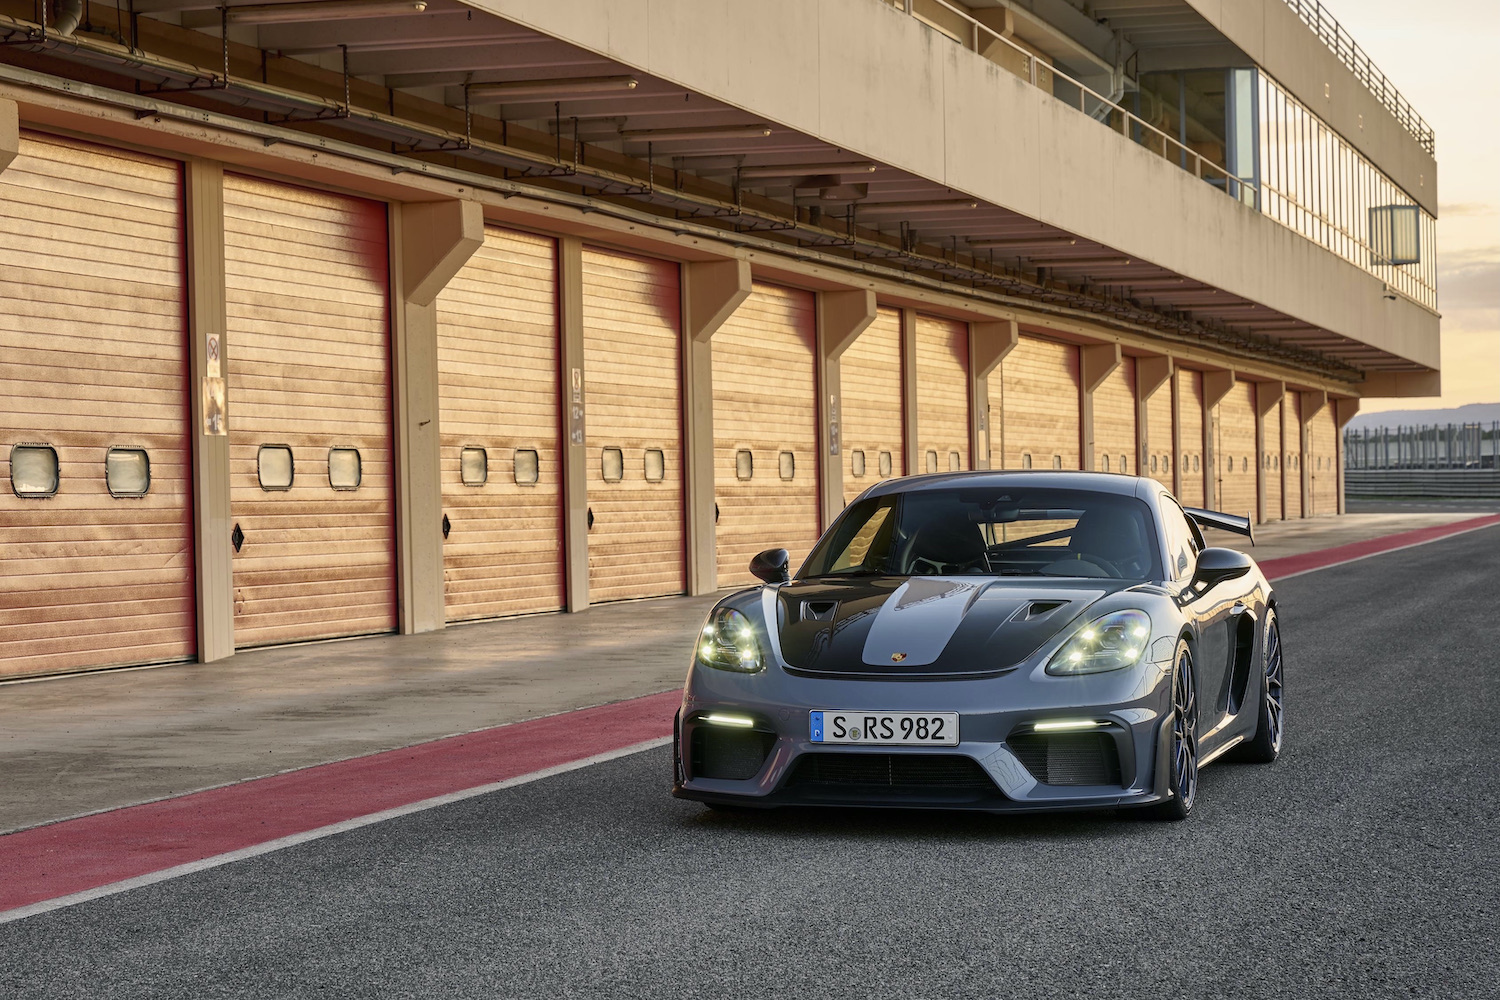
x: 127, y: 472
x: 1182, y: 547
x: 33, y: 470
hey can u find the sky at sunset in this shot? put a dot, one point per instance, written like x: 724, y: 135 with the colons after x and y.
x: 1441, y: 55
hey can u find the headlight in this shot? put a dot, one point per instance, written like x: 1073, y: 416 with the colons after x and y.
x: 728, y: 642
x: 1117, y: 640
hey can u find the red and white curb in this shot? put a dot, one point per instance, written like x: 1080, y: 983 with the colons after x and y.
x: 73, y: 861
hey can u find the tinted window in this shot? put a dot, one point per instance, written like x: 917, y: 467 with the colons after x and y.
x: 1181, y: 548
x: 995, y: 530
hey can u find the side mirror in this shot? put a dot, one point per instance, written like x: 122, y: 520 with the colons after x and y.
x: 1217, y: 565
x: 772, y: 566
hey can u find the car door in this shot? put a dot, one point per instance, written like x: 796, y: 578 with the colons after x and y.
x: 1215, y: 612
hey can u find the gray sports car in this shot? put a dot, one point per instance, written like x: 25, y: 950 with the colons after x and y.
x: 990, y: 640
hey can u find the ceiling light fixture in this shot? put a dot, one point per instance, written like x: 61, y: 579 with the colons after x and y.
x: 696, y: 132
x: 512, y: 89
x: 947, y: 205
x: 806, y: 170
x: 1023, y: 241
x: 1080, y: 261
x: 323, y: 10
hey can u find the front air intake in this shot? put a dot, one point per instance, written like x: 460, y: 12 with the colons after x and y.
x: 924, y: 775
x: 1068, y: 758
x: 735, y: 754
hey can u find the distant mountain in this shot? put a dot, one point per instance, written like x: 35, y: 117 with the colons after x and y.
x: 1474, y: 413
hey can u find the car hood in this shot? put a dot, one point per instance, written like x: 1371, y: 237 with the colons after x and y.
x: 926, y: 625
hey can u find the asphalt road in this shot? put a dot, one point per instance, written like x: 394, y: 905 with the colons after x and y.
x: 1363, y: 864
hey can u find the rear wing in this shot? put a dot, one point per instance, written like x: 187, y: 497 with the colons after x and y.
x: 1224, y: 522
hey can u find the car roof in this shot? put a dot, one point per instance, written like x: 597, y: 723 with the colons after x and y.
x: 1094, y: 482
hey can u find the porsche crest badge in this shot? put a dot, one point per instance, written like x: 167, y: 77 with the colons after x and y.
x: 897, y: 657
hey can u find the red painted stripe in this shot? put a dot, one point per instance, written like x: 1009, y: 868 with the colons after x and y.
x: 1287, y: 565
x: 91, y: 851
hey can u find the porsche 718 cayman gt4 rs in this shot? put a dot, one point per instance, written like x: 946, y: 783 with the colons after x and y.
x: 990, y: 640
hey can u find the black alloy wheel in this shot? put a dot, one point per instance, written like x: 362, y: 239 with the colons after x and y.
x: 1270, y: 727
x: 1182, y: 743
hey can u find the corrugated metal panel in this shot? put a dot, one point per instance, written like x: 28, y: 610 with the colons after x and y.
x: 309, y: 367
x: 1114, y: 420
x: 1291, y: 457
x: 1160, y: 455
x: 870, y: 408
x: 1324, y: 463
x: 1034, y: 407
x: 93, y: 356
x: 1190, y: 439
x: 1237, y: 464
x: 765, y: 403
x: 942, y: 394
x: 632, y: 351
x: 497, y: 344
x: 1270, y: 462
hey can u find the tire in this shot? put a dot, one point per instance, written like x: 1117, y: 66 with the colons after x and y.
x: 1270, y: 725
x: 1182, y: 747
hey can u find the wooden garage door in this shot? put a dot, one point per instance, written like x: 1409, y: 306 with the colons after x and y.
x: 765, y: 430
x: 1237, y: 464
x: 632, y: 363
x: 1159, y: 454
x: 309, y: 370
x: 1034, y: 407
x: 942, y: 395
x: 1190, y: 437
x: 1323, y: 467
x: 1291, y: 457
x: 1270, y: 461
x: 1114, y: 420
x: 92, y: 358
x: 497, y: 344
x: 870, y: 405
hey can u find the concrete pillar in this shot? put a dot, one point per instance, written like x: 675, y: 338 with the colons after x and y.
x: 575, y: 492
x: 1095, y: 362
x: 1267, y: 398
x: 430, y: 241
x: 909, y: 446
x: 213, y: 552
x: 1313, y: 401
x: 841, y: 318
x: 10, y: 133
x: 989, y: 343
x: 1216, y: 386
x: 711, y: 292
x: 1151, y: 373
x: 1345, y: 411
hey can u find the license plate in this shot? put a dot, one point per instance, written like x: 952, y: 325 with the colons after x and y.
x: 886, y: 728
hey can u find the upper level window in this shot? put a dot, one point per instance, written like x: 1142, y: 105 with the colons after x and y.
x: 33, y: 470
x: 127, y: 472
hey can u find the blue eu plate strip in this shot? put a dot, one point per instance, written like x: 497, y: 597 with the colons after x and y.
x: 817, y: 726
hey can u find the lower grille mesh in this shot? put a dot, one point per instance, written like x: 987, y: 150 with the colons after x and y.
x: 736, y: 754
x: 933, y: 772
x: 1069, y: 758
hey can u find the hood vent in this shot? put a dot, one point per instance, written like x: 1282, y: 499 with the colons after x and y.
x: 1038, y: 609
x: 819, y: 611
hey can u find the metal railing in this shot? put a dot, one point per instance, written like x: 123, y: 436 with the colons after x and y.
x: 982, y: 39
x: 1427, y: 446
x: 1339, y: 42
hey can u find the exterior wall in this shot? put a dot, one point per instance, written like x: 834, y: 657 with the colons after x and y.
x: 955, y: 118
x: 497, y: 325
x: 1036, y: 395
x: 871, y: 417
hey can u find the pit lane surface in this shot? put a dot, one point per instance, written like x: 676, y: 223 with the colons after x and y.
x: 1362, y: 864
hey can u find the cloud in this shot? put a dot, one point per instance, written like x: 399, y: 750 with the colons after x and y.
x: 1470, y: 285
x: 1467, y: 208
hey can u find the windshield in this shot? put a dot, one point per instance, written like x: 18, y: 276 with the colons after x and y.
x: 993, y: 532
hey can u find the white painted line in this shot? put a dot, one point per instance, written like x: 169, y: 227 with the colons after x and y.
x: 1384, y: 552
x: 291, y: 840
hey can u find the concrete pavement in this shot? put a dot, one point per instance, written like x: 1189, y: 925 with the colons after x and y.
x: 83, y: 743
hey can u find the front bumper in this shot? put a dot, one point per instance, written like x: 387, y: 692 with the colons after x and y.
x: 1001, y: 764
